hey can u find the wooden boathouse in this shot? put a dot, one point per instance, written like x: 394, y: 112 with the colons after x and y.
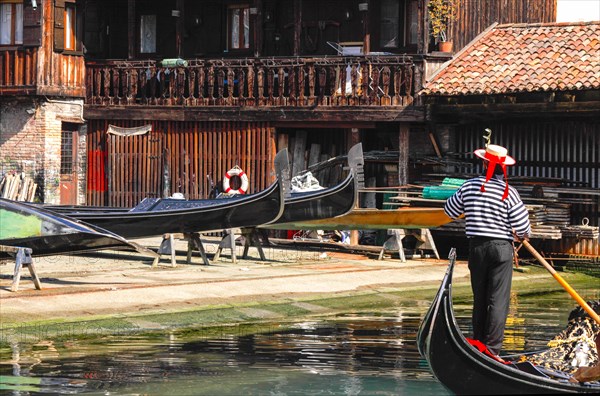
x: 108, y: 102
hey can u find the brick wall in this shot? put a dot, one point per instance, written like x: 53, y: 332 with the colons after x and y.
x: 30, y: 142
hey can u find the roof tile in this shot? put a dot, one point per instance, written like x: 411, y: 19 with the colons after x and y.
x: 524, y: 58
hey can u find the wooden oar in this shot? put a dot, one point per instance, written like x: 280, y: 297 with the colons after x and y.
x: 562, y: 282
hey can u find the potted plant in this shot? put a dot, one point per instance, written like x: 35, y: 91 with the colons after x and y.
x: 441, y: 14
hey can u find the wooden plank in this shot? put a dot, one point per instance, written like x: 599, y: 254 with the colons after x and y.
x: 298, y: 163
x: 315, y: 154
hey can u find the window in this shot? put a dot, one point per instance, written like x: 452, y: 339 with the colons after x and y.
x: 66, y: 151
x: 148, y: 34
x: 390, y: 19
x: 412, y: 22
x: 70, y: 27
x: 67, y: 26
x: 238, y: 23
x: 399, y: 23
x: 11, y: 22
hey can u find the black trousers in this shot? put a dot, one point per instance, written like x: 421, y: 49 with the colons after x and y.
x: 490, y: 264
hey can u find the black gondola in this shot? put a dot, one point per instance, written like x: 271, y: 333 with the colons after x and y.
x: 324, y: 203
x: 157, y: 216
x: 48, y: 233
x: 463, y: 369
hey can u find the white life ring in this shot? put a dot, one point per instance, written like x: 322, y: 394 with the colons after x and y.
x: 235, y: 171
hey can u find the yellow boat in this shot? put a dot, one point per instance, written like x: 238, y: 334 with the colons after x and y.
x: 375, y: 219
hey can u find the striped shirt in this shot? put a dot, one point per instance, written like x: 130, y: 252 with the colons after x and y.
x: 486, y: 214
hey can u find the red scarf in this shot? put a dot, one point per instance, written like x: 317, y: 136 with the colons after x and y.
x: 494, y: 160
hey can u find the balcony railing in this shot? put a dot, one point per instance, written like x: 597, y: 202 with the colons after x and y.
x: 23, y: 73
x: 257, y: 82
x: 18, y: 71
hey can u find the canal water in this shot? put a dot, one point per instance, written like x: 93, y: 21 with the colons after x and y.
x: 362, y: 353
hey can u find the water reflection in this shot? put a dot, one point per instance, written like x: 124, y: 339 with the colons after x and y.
x: 353, y: 354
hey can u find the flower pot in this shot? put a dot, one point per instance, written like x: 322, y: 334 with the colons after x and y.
x: 445, y: 46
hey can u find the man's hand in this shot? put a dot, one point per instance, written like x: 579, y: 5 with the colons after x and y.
x: 586, y: 374
x: 524, y: 237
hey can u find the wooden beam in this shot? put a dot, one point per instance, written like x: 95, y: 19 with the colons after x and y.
x: 277, y: 115
x: 315, y: 125
x: 514, y: 110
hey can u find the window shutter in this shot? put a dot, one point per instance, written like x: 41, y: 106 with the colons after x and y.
x: 79, y: 29
x: 32, y: 25
x: 59, y: 25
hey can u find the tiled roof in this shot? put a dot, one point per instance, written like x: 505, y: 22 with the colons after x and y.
x: 523, y: 58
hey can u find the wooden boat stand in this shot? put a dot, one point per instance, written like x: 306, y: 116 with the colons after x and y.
x: 251, y: 238
x: 394, y: 242
x: 22, y: 259
x: 167, y: 246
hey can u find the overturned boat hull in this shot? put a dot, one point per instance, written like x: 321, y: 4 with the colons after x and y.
x: 48, y: 233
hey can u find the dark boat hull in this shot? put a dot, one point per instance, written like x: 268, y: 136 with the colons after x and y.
x: 320, y: 204
x: 48, y: 233
x: 465, y: 370
x: 198, y: 216
x: 325, y: 203
x: 160, y: 216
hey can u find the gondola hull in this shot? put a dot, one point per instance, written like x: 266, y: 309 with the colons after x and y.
x: 324, y: 203
x: 464, y: 370
x: 179, y: 216
x: 48, y: 233
x: 154, y: 217
x: 321, y: 204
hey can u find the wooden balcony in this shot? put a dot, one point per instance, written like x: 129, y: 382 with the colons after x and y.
x: 39, y: 71
x: 250, y: 88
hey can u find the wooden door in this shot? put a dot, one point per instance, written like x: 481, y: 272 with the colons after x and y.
x: 69, y: 163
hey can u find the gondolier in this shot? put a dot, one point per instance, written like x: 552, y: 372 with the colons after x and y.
x: 495, y: 216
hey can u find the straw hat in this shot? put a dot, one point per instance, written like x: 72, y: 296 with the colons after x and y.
x: 495, y: 154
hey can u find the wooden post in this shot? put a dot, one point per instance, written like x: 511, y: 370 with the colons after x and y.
x: 422, y: 27
x: 365, y: 21
x: 297, y: 26
x: 354, y: 139
x: 179, y: 28
x: 258, y: 28
x: 403, y: 153
x: 131, y: 24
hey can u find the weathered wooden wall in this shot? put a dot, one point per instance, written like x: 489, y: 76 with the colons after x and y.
x: 561, y: 157
x: 473, y: 17
x: 29, y: 69
x: 124, y: 170
x: 59, y: 74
